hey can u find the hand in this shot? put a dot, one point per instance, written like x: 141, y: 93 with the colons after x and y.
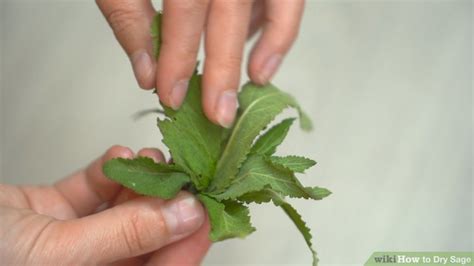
x: 226, y: 25
x: 61, y: 224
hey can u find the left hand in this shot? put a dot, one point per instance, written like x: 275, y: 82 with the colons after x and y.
x: 87, y: 219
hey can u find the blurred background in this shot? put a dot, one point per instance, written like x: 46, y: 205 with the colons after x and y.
x: 388, y: 85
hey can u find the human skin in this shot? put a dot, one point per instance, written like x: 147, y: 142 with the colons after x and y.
x: 87, y: 219
x: 225, y: 25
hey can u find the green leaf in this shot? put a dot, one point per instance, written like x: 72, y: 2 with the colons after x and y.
x: 194, y: 142
x: 220, y: 165
x: 228, y: 218
x: 319, y: 193
x: 296, y: 164
x: 155, y: 32
x: 262, y: 196
x: 258, y: 107
x: 257, y: 173
x: 267, y: 143
x: 298, y: 221
x: 146, y: 177
x: 267, y: 195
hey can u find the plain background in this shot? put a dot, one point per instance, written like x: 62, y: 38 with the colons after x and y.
x: 387, y: 84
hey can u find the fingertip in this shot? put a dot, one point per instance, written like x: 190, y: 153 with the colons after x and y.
x: 144, y: 69
x: 207, y: 102
x: 118, y: 151
x: 137, y: 227
x: 130, y: 22
x: 253, y: 69
x: 220, y: 107
x: 163, y: 90
x: 183, y: 23
x: 173, y: 72
x: 220, y: 84
x: 173, y: 96
x: 262, y: 68
x: 228, y: 25
x: 183, y: 215
x: 155, y: 154
x: 226, y: 108
x: 188, y: 251
x: 282, y: 21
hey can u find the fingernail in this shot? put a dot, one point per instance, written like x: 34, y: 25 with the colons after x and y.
x: 178, y: 93
x: 226, y: 108
x: 142, y: 67
x: 269, y: 68
x: 182, y: 214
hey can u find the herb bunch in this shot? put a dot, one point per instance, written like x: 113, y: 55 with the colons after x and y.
x: 226, y: 168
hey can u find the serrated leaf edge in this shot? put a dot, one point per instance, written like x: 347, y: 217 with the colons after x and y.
x: 270, y: 159
x: 304, y: 120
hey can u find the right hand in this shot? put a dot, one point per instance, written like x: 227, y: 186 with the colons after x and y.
x: 225, y: 24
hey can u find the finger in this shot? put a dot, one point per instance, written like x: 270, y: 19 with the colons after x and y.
x: 188, y: 251
x: 130, y: 21
x: 281, y: 26
x: 90, y: 188
x: 226, y: 33
x: 132, y: 229
x: 183, y: 23
x: 152, y: 153
x: 257, y: 18
x: 126, y: 194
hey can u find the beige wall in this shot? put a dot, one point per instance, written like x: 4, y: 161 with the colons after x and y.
x: 388, y: 85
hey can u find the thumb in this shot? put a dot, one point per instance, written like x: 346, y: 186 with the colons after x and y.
x: 134, y: 228
x: 130, y: 21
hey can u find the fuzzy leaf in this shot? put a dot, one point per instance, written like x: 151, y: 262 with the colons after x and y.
x: 258, y: 107
x: 194, y: 141
x: 257, y: 173
x: 297, y: 164
x: 299, y: 223
x: 262, y: 196
x: 267, y: 195
x: 319, y: 193
x: 146, y: 177
x: 228, y: 218
x: 267, y: 143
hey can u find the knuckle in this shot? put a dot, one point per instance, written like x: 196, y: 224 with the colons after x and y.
x: 117, y: 151
x: 139, y: 230
x: 232, y: 5
x: 229, y: 63
x: 131, y: 233
x: 158, y: 154
x: 183, y: 52
x: 191, y: 5
x: 53, y: 234
x: 114, y: 149
x: 288, y: 36
x: 123, y: 17
x: 152, y: 153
